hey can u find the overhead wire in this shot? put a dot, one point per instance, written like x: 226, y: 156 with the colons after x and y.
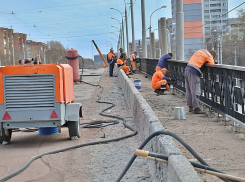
x: 52, y: 7
x: 28, y: 24
x: 75, y: 36
x: 48, y: 36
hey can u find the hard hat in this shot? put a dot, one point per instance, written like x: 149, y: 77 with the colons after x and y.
x: 164, y: 69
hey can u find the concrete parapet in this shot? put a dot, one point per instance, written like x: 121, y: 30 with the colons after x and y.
x: 146, y: 122
x: 176, y: 163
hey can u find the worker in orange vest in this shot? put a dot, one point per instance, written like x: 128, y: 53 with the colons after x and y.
x: 133, y: 61
x: 160, y: 82
x: 121, y: 62
x: 192, y: 78
x: 111, y: 59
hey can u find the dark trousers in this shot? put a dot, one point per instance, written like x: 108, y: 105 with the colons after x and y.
x: 111, y: 66
x: 193, y: 90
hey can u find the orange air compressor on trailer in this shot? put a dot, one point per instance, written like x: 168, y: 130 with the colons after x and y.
x: 39, y: 96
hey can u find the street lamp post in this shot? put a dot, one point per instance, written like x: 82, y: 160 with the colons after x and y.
x: 117, y: 41
x: 126, y: 21
x: 122, y: 25
x: 114, y: 39
x: 219, y: 47
x: 114, y: 34
x: 151, y: 47
x: 235, y: 55
x: 109, y: 43
x: 144, y: 46
x: 132, y: 24
x: 121, y: 32
x: 120, y: 38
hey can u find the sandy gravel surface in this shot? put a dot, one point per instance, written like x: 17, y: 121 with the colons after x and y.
x: 216, y: 143
x: 96, y: 163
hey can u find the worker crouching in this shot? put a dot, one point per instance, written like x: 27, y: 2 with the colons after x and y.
x: 160, y: 82
x: 121, y: 62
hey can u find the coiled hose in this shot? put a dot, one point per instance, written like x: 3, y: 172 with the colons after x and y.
x: 80, y: 145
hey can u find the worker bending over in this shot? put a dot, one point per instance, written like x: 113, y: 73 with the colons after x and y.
x: 133, y: 61
x: 160, y: 82
x: 121, y: 62
x: 162, y: 63
x: 193, y: 72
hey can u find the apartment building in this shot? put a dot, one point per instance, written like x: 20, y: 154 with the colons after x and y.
x: 15, y: 46
x: 201, y: 18
x: 215, y: 17
x: 35, y: 48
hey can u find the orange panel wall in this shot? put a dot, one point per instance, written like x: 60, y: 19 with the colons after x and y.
x: 193, y: 29
x: 191, y: 1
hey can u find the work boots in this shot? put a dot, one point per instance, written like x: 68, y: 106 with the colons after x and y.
x: 199, y: 111
x: 160, y: 92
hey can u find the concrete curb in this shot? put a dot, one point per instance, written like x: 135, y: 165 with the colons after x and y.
x: 178, y: 169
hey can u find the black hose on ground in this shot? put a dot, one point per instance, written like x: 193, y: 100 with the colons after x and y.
x: 99, y: 124
x: 112, y: 105
x: 80, y: 145
x: 163, y: 132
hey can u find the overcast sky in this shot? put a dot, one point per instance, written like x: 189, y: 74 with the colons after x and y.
x: 77, y: 22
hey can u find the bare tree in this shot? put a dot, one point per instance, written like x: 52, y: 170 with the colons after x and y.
x: 55, y: 52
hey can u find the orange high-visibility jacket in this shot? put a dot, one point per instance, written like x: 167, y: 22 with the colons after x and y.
x: 124, y: 67
x: 111, y: 55
x: 119, y: 61
x: 199, y: 58
x: 132, y: 57
x: 157, y: 76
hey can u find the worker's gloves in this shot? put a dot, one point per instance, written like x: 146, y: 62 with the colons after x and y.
x: 173, y: 80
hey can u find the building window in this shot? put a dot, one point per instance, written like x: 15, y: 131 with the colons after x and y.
x: 206, y: 22
x: 206, y: 11
x: 215, y: 10
x: 215, y: 16
x: 216, y: 22
x: 215, y: 5
x: 206, y: 17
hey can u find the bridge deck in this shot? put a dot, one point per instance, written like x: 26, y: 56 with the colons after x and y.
x: 210, y: 138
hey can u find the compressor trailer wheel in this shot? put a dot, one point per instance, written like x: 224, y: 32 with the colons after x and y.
x: 6, y: 135
x: 74, y: 129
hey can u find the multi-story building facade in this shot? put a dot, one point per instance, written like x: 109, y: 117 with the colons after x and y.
x: 15, y: 46
x: 215, y: 17
x: 35, y: 48
x: 201, y: 18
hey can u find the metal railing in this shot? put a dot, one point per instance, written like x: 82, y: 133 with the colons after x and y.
x: 222, y: 86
